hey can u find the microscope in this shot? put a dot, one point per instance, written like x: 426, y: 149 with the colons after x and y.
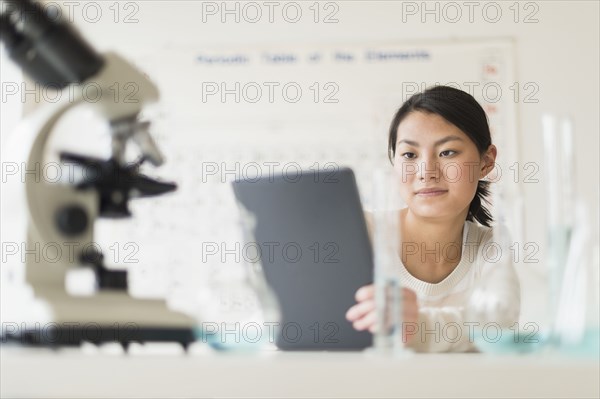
x: 53, y: 54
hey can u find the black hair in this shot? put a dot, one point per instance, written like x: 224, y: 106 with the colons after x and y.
x: 463, y: 111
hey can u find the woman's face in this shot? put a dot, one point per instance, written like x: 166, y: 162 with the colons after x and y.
x: 438, y: 165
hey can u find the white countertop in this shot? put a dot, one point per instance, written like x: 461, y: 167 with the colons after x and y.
x: 204, y: 373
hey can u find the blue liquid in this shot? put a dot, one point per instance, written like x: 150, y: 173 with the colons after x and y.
x: 510, y: 341
x: 589, y: 346
x: 229, y: 342
x: 526, y: 342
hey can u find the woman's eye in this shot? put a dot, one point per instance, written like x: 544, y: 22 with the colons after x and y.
x: 447, y: 153
x: 408, y: 155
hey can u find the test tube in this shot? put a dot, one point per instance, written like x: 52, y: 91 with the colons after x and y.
x: 570, y: 321
x: 559, y: 190
x: 386, y: 244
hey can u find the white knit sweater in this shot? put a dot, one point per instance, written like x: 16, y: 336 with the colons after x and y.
x: 446, y: 321
x: 444, y: 324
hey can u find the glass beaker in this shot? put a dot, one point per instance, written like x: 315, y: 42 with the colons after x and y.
x: 577, y: 315
x: 240, y: 312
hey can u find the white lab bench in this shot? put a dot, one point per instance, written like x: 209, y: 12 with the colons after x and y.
x: 73, y: 373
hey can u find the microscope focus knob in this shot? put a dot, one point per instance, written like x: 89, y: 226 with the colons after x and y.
x: 71, y: 220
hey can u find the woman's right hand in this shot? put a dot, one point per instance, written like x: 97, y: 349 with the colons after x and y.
x: 363, y: 315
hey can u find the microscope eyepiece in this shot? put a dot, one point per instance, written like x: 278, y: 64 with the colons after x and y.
x: 47, y: 48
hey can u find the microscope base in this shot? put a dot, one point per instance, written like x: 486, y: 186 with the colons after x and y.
x: 108, y: 316
x: 69, y: 335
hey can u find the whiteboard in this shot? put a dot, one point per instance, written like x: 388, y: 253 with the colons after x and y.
x: 243, y: 111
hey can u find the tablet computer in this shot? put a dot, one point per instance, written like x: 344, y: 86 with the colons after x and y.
x: 315, y: 254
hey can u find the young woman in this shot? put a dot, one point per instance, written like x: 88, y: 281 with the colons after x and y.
x: 440, y: 146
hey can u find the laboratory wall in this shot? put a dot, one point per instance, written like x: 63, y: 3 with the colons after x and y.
x: 554, y: 63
